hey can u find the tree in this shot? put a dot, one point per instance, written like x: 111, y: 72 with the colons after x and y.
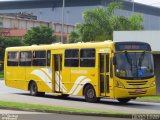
x: 136, y: 22
x: 73, y: 37
x: 8, y: 42
x: 1, y: 24
x: 39, y: 35
x: 99, y: 23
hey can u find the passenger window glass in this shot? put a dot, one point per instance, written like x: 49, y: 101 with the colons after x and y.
x: 39, y: 58
x: 71, y: 58
x: 25, y: 58
x: 48, y: 57
x: 87, y: 58
x: 13, y: 59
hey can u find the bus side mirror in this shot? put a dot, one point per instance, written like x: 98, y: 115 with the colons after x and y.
x: 114, y: 61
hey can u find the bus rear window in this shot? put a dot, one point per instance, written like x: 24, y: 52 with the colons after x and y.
x: 12, y: 59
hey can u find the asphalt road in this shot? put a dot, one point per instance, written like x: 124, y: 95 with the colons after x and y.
x: 133, y: 107
x: 22, y: 115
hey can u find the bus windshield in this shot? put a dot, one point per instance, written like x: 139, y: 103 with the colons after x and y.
x: 134, y: 65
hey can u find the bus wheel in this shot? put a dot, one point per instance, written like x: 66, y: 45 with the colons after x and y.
x: 33, y: 89
x: 123, y: 100
x: 63, y: 96
x: 89, y: 94
x: 41, y: 94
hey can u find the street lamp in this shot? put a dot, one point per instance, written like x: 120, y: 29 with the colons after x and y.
x: 62, y: 30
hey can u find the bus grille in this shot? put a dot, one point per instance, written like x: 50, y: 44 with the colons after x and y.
x: 137, y: 83
x: 137, y: 93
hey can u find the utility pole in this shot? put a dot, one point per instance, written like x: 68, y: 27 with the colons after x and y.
x: 62, y: 28
x: 133, y: 5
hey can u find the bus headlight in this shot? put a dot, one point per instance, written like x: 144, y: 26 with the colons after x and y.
x: 153, y: 84
x: 120, y: 85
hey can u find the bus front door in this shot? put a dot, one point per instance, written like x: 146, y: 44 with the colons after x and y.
x: 104, y: 74
x: 57, y: 72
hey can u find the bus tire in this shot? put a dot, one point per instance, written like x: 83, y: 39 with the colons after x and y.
x: 33, y: 89
x: 89, y: 94
x: 123, y: 100
x: 41, y: 94
x: 63, y: 96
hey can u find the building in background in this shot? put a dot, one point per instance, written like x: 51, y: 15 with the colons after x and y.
x: 17, y: 27
x: 20, y: 15
x: 50, y: 10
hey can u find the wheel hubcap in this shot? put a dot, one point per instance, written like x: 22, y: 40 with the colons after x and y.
x: 90, y: 93
x: 34, y: 88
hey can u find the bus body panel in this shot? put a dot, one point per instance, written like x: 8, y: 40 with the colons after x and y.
x: 71, y: 80
x: 135, y: 88
x: 81, y: 77
x: 132, y: 93
x: 42, y: 77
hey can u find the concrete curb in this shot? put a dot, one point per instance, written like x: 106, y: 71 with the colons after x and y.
x: 69, y: 112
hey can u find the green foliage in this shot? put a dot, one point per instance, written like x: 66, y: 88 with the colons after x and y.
x: 136, y: 22
x: 54, y: 108
x: 1, y: 74
x: 74, y: 37
x: 8, y: 42
x: 1, y: 24
x: 99, y: 23
x: 150, y: 98
x: 39, y: 35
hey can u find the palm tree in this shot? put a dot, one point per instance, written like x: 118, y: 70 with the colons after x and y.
x: 99, y: 23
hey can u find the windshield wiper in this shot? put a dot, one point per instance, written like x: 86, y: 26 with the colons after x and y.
x: 141, y: 59
x: 128, y: 60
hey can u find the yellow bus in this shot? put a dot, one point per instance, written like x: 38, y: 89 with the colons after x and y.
x: 118, y: 70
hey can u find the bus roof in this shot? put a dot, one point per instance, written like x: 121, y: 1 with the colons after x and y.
x: 108, y: 44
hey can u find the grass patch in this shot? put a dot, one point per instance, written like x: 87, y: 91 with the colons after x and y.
x: 53, y: 108
x: 1, y: 72
x: 1, y: 75
x: 150, y: 98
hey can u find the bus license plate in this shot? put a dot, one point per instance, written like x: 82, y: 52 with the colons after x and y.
x: 138, y: 91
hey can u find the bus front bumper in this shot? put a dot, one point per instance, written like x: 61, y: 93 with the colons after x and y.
x: 132, y: 93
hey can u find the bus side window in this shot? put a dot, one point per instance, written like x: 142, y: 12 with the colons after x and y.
x: 48, y: 57
x: 39, y: 58
x: 72, y: 58
x: 13, y: 58
x: 87, y: 58
x: 25, y: 58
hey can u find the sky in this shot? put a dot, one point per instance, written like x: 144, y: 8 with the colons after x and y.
x: 149, y: 2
